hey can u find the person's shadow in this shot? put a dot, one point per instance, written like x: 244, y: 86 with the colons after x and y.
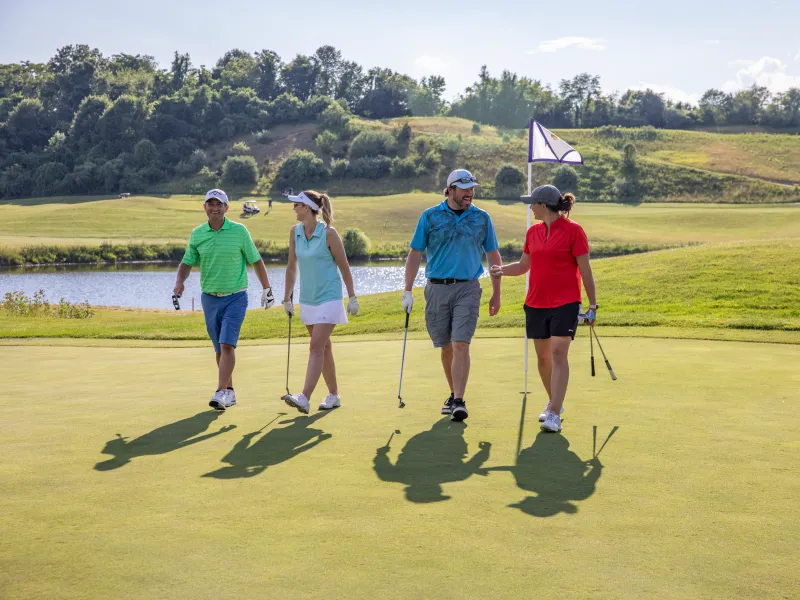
x: 248, y: 458
x: 557, y: 475
x: 430, y: 459
x: 161, y: 440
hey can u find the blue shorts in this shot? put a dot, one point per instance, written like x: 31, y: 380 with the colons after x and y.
x: 224, y: 317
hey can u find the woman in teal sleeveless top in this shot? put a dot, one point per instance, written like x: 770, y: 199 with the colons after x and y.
x: 316, y: 248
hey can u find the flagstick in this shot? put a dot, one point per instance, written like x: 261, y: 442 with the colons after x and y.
x: 527, y: 280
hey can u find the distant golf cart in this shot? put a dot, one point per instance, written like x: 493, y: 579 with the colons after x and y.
x: 250, y: 208
x: 124, y: 195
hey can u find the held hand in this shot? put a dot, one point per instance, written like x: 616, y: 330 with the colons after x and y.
x: 288, y: 307
x: 267, y: 299
x: 496, y: 271
x: 494, y: 305
x: 408, y: 301
x: 591, y: 316
x: 352, y: 306
x: 178, y: 289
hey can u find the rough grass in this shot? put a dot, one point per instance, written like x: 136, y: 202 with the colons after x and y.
x: 385, y: 220
x: 747, y: 285
x: 117, y: 481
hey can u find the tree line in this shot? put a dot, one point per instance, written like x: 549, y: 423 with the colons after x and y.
x: 84, y: 122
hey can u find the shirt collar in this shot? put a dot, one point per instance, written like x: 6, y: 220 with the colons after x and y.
x: 226, y: 224
x: 317, y: 230
x: 444, y: 206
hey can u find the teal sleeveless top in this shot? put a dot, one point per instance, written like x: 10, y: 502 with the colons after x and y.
x: 319, y: 276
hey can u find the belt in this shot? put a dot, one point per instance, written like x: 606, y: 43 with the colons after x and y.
x: 218, y: 295
x: 448, y: 281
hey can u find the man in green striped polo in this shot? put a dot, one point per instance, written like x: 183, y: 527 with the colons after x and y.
x: 223, y: 249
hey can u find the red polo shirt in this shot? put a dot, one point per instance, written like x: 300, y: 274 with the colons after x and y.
x: 554, y: 277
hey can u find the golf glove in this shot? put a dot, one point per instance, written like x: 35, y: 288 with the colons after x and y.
x: 288, y: 306
x: 590, y: 315
x: 352, y: 306
x: 408, y: 301
x: 267, y: 299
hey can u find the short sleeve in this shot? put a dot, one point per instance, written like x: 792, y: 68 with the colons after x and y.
x: 191, y: 257
x: 250, y: 251
x: 579, y: 242
x: 490, y: 239
x: 420, y: 239
x: 527, y: 248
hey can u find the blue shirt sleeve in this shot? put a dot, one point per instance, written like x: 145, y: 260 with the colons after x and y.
x: 490, y: 241
x: 420, y: 239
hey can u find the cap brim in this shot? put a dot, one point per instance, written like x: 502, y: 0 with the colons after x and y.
x: 530, y: 200
x: 216, y: 198
x: 465, y: 186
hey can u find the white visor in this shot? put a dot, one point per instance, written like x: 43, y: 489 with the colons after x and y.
x: 302, y: 198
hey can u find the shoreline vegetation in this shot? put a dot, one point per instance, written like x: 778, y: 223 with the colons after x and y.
x: 141, y: 253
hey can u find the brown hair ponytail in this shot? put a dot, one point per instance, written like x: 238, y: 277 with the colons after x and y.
x: 565, y: 204
x: 325, y: 204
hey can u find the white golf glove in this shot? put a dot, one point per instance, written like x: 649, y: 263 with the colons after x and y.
x: 288, y: 307
x: 352, y: 306
x: 267, y: 299
x: 408, y: 301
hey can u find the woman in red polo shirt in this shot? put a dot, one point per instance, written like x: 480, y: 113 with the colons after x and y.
x: 556, y: 253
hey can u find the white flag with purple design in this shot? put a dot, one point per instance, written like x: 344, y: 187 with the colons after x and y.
x: 546, y: 146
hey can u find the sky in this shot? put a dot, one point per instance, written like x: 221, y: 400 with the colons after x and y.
x: 680, y: 48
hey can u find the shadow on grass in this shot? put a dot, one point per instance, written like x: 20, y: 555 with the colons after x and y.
x: 248, y: 458
x: 430, y: 459
x: 161, y: 440
x: 555, y: 473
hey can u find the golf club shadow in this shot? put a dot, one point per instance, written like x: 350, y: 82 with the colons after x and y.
x: 556, y: 474
x: 430, y: 459
x: 161, y: 440
x: 249, y: 458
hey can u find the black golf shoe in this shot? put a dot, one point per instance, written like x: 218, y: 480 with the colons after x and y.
x: 459, y: 412
x: 448, y: 406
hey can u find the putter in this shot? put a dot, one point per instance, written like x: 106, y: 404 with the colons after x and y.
x: 286, y: 396
x: 402, y: 363
x: 175, y: 302
x: 613, y: 431
x: 608, y: 364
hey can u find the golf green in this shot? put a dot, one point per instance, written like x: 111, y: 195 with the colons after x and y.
x: 117, y: 480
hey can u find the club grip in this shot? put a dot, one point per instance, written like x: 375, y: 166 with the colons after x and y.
x: 407, y: 316
x: 593, y: 366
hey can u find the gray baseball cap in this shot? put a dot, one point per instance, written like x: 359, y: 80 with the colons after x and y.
x: 546, y: 194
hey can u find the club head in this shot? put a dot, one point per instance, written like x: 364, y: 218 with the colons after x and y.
x: 401, y: 404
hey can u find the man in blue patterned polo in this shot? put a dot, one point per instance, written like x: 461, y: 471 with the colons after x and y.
x: 454, y: 235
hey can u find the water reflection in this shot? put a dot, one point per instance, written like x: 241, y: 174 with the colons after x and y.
x: 150, y: 286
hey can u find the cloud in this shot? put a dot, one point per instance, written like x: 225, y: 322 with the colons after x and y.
x: 430, y: 65
x: 581, y: 43
x: 711, y: 42
x: 671, y: 92
x: 768, y: 72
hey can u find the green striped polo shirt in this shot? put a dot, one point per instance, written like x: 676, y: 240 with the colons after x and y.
x: 223, y: 256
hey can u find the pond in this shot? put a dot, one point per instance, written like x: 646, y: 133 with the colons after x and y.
x: 150, y: 286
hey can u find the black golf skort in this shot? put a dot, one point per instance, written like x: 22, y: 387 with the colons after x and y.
x: 542, y: 323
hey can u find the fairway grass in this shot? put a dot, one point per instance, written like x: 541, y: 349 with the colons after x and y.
x: 385, y: 220
x: 696, y: 497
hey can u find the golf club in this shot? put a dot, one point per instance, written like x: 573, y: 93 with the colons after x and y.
x: 608, y: 364
x: 175, y: 302
x: 391, y: 436
x: 591, y: 350
x: 613, y: 431
x: 402, y: 363
x: 285, y: 397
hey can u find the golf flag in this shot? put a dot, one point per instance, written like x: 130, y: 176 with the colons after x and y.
x: 545, y: 146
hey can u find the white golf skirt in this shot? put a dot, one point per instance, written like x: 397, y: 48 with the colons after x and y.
x: 332, y: 313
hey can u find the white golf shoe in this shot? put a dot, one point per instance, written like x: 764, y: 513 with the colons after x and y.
x: 219, y: 400
x: 231, y: 399
x: 552, y: 422
x: 298, y: 401
x: 543, y: 416
x: 331, y: 401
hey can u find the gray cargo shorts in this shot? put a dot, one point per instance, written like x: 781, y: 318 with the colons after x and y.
x: 451, y: 311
